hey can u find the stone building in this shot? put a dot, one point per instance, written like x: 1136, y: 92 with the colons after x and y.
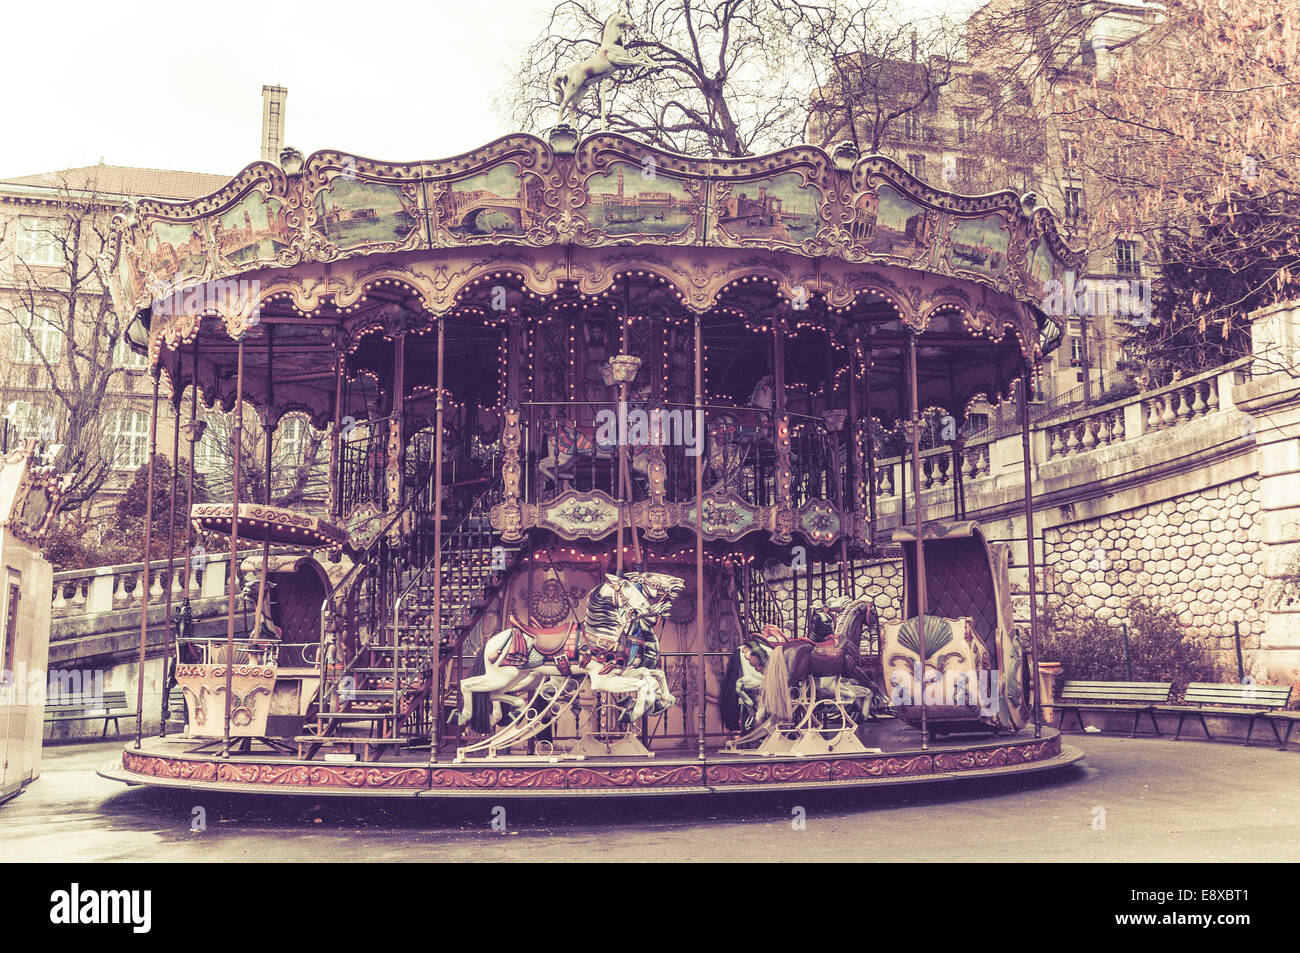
x: 987, y: 128
x: 46, y: 301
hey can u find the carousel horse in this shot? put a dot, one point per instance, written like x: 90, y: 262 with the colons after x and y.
x: 598, y: 646
x: 567, y: 442
x: 732, y: 434
x: 742, y: 685
x: 831, y: 652
x: 572, y: 84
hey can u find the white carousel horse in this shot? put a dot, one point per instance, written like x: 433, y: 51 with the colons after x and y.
x: 518, y: 658
x: 572, y: 84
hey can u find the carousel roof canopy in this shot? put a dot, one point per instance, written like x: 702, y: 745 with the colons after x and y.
x: 311, y: 256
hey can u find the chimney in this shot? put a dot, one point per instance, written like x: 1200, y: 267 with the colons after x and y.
x: 273, y: 98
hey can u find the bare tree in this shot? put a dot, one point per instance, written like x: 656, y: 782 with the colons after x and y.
x: 63, y: 333
x: 871, y: 68
x: 299, y: 460
x: 724, y: 87
x: 1195, y: 149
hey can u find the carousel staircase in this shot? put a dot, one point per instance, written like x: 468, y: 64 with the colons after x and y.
x: 384, y: 699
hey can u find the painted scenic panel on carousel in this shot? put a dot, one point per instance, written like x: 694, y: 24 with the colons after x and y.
x: 779, y: 208
x: 979, y: 245
x: 254, y: 229
x: 1040, y: 265
x: 888, y: 223
x: 352, y: 212
x: 171, y: 252
x: 497, y: 202
x: 627, y: 200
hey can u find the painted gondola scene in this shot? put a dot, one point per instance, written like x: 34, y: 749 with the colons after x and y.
x: 660, y: 440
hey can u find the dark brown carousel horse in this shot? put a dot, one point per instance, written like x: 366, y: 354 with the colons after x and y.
x: 831, y: 651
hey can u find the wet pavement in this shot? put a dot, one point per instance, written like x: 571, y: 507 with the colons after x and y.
x: 1129, y: 800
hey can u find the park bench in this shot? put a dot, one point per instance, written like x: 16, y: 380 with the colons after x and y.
x: 1136, y: 697
x: 110, y: 706
x: 1234, y: 700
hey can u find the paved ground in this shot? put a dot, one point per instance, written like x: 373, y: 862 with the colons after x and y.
x: 1162, y: 801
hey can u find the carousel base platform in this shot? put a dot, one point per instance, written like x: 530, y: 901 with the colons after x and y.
x: 171, y: 763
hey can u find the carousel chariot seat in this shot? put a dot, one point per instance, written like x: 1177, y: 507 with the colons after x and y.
x: 970, y: 644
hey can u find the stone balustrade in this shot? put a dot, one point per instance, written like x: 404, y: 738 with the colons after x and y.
x: 109, y: 588
x: 1091, y: 428
x: 893, y: 474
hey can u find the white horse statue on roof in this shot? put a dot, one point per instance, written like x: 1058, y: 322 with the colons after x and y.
x: 572, y: 84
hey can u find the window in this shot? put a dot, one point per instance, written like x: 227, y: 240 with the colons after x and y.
x: 965, y: 127
x: 1126, y: 258
x: 127, y: 439
x: 969, y: 170
x: 292, y: 443
x: 24, y: 420
x: 1076, y: 350
x: 913, y: 128
x: 1071, y: 155
x: 36, y: 337
x: 36, y: 242
x: 207, y: 455
x: 1074, y: 205
x: 916, y: 165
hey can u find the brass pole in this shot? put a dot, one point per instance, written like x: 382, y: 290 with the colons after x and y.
x: 436, y: 720
x: 171, y: 559
x: 699, y: 530
x: 189, y: 490
x: 144, y: 573
x: 921, y: 592
x: 232, y: 580
x: 1029, y: 544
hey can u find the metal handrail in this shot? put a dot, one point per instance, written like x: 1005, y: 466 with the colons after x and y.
x: 362, y: 559
x: 435, y: 677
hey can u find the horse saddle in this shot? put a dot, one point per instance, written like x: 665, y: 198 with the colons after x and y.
x: 829, y: 649
x: 548, y: 640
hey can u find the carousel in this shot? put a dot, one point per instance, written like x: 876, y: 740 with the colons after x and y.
x: 603, y: 426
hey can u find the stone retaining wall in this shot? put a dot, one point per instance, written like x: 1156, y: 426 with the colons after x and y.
x: 1196, y: 554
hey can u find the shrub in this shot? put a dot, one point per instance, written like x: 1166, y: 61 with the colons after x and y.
x: 1159, y: 647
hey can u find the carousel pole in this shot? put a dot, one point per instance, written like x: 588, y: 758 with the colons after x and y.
x: 336, y: 502
x: 266, y: 539
x: 435, y: 720
x: 843, y: 480
x: 232, y: 580
x: 921, y: 592
x: 189, y: 487
x: 144, y: 574
x: 171, y: 559
x: 1029, y: 544
x: 699, y: 531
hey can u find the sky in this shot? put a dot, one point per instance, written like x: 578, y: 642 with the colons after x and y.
x: 167, y: 85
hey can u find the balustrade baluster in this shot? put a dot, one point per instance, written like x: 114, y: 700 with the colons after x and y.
x: 1071, y: 440
x: 1212, y: 400
x: 1198, y: 404
x: 1183, y: 412
x: 1117, y: 432
x: 1153, y: 415
x: 1057, y: 448
x: 1167, y: 415
x: 1089, y: 439
x: 1103, y: 430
